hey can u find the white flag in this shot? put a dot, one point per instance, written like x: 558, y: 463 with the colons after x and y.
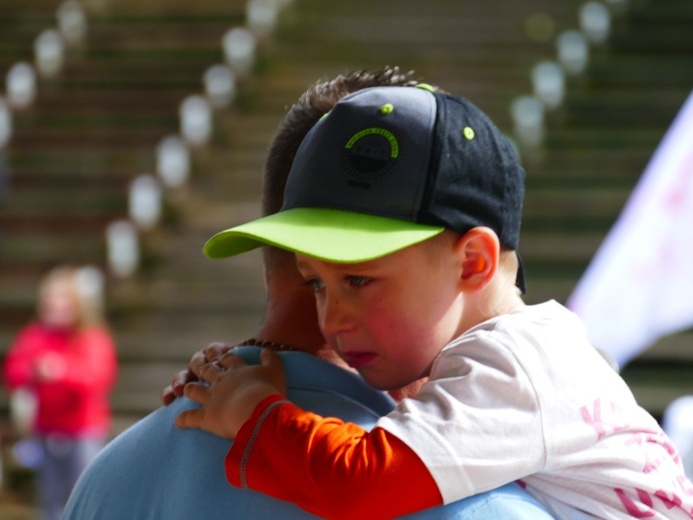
x: 639, y: 285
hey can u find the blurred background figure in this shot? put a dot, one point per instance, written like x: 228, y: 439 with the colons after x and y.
x: 59, y: 371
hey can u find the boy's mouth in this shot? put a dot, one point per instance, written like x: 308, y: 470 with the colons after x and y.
x: 358, y: 359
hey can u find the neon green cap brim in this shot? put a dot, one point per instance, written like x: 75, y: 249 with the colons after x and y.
x: 327, y: 234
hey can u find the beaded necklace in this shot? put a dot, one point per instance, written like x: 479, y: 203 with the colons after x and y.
x: 262, y: 343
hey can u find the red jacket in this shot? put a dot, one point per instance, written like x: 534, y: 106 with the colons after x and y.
x: 74, y: 400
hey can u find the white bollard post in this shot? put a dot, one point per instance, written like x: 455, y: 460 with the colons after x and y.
x: 172, y: 161
x: 49, y: 53
x: 21, y: 85
x: 548, y: 82
x: 238, y: 45
x: 144, y: 201
x: 220, y: 85
x: 573, y: 52
x: 123, y: 248
x: 528, y: 116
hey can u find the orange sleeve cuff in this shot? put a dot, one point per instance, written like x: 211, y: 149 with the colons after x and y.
x: 329, y: 468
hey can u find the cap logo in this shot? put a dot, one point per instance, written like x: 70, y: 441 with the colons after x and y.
x: 371, y: 153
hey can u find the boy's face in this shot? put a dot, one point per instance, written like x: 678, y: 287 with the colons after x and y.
x: 389, y: 318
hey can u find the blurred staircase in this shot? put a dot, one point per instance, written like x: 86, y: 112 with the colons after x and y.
x: 91, y: 131
x: 94, y: 128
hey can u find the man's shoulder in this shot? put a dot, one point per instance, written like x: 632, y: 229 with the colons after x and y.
x: 325, y: 388
x: 510, y: 502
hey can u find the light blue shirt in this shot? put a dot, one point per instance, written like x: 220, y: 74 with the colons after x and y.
x: 155, y: 471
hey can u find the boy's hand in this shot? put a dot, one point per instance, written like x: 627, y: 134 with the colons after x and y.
x: 234, y: 390
x: 211, y: 353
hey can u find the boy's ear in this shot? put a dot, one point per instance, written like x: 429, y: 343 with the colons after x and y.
x: 478, y: 251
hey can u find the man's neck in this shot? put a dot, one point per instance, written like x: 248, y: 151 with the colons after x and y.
x: 291, y: 321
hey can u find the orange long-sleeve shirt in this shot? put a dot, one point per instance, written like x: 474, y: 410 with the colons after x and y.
x: 329, y: 468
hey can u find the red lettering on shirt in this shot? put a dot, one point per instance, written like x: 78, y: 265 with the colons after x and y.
x: 641, y: 440
x: 646, y: 441
x: 644, y: 499
x: 670, y: 501
x: 670, y: 498
x: 602, y: 425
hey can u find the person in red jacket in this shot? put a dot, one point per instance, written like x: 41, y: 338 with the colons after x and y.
x: 66, y: 360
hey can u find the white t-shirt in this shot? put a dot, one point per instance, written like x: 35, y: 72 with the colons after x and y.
x: 524, y: 396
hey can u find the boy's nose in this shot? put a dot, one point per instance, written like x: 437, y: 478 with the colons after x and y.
x: 335, y: 316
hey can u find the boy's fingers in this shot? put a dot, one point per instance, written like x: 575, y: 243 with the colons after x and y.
x: 197, y: 361
x: 178, y: 388
x: 271, y: 361
x: 269, y: 358
x: 214, y: 351
x: 229, y: 361
x: 209, y: 371
x: 179, y: 379
x: 209, y: 354
x: 175, y: 389
x: 189, y: 419
x: 167, y: 395
x: 196, y: 392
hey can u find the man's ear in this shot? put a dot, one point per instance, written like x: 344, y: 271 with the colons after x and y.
x: 478, y: 251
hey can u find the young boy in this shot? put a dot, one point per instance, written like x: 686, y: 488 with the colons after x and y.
x: 403, y: 207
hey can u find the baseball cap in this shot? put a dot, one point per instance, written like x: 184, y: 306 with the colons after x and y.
x: 386, y: 168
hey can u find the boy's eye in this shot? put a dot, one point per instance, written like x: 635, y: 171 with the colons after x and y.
x: 314, y: 283
x: 359, y: 281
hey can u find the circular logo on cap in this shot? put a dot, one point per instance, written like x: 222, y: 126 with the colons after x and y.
x: 371, y: 153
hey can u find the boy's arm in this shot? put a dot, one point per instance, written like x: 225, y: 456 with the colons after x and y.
x: 330, y: 468
x: 326, y: 466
